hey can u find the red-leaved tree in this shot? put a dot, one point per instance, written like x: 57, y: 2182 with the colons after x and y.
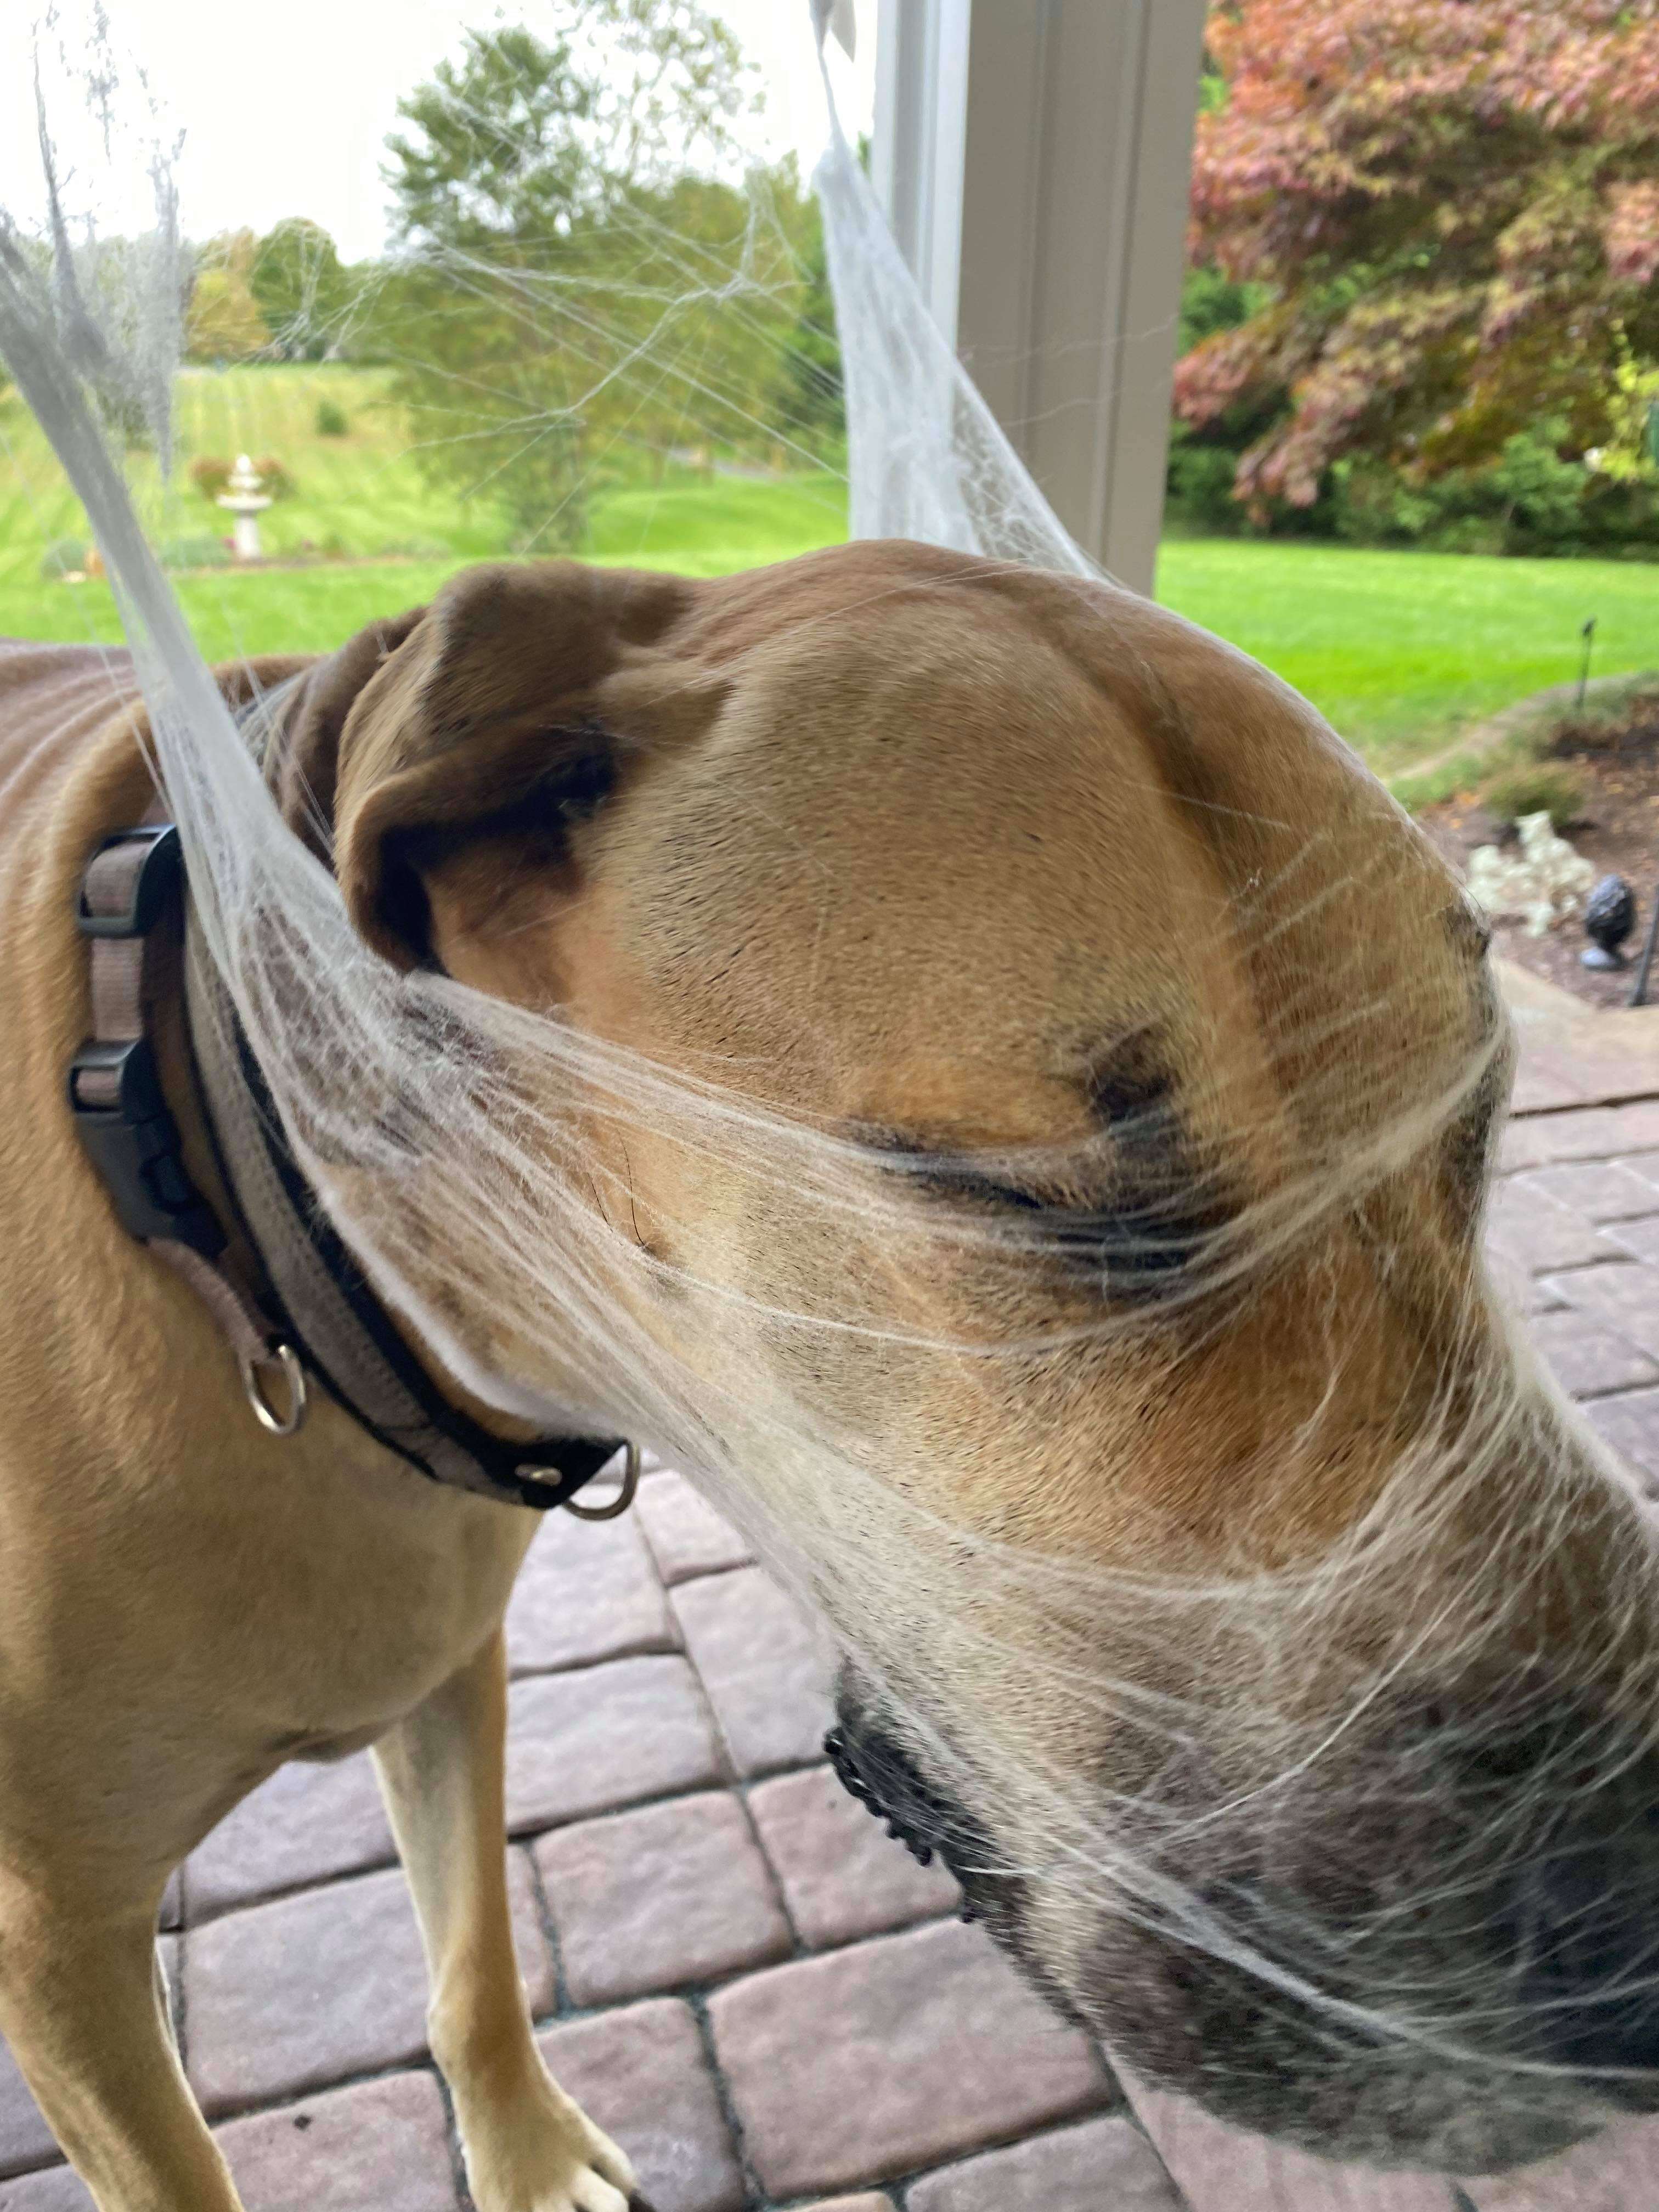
x: 1455, y: 205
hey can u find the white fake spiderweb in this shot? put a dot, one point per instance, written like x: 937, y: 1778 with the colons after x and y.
x: 432, y: 1117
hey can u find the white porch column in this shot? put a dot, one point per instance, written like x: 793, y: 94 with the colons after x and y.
x: 1035, y: 159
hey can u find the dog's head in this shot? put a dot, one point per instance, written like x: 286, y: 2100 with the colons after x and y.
x: 1066, y: 1084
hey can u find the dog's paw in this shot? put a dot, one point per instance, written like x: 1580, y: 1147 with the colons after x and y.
x: 547, y: 2155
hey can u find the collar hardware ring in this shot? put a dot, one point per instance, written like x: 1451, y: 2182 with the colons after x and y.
x: 614, y: 1508
x: 294, y: 1382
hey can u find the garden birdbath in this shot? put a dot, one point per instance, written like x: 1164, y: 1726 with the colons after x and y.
x: 244, y: 499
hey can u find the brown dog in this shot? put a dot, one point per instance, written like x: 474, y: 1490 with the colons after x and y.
x: 917, y: 841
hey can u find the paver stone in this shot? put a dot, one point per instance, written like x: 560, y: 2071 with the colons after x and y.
x: 1623, y: 1294
x: 657, y: 1898
x: 56, y: 2190
x: 843, y: 1876
x: 293, y: 1995
x: 381, y: 2143
x: 587, y: 1590
x: 1631, y: 1425
x: 1600, y: 1190
x: 686, y: 1535
x: 309, y: 1823
x: 1639, y: 1239
x: 25, y: 2138
x: 1105, y: 2166
x: 1222, y: 2169
x: 1637, y: 1126
x: 872, y: 2062
x: 1532, y: 1231
x: 1586, y: 1358
x: 641, y: 2075
x: 761, y: 1667
x: 1537, y: 1139
x: 602, y: 1737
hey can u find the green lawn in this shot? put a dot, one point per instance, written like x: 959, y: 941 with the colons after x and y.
x: 1399, y: 649
x: 699, y: 526
x: 381, y: 535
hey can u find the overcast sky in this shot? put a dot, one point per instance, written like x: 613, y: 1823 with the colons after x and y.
x: 286, y: 107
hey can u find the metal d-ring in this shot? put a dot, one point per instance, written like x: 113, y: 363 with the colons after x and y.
x: 624, y: 1497
x: 294, y: 1377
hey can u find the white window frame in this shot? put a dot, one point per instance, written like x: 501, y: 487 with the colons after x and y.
x: 1035, y: 158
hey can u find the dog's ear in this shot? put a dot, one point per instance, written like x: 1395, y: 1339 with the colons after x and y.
x: 304, y: 761
x: 485, y: 714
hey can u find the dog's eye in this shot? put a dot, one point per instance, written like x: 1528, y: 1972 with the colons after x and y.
x: 1130, y: 1214
x: 1130, y: 1243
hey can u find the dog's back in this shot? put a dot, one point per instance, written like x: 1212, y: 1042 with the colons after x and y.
x: 53, y: 698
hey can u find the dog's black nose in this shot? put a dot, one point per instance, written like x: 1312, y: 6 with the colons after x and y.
x: 1590, y: 1932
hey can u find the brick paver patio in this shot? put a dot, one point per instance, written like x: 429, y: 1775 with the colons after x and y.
x: 755, y: 1991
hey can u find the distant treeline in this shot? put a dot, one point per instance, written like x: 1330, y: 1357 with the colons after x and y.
x: 1422, y: 307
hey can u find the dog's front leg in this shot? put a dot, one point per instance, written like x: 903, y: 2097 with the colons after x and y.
x: 529, y: 2148
x: 82, y: 2008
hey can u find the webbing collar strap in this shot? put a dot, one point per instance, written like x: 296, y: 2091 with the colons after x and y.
x: 313, y: 1315
x: 128, y: 890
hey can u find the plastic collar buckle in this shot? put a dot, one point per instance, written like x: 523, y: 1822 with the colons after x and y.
x: 159, y: 873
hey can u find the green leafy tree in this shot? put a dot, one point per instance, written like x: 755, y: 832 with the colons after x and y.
x: 1451, y: 208
x: 1204, y: 457
x: 1631, y: 454
x: 300, y: 289
x: 552, y: 241
x: 812, y: 397
x: 222, y: 321
x: 497, y: 156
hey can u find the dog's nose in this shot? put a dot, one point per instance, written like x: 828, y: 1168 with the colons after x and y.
x: 1590, y: 1925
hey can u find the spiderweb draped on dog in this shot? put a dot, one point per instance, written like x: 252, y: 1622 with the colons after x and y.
x: 432, y: 1118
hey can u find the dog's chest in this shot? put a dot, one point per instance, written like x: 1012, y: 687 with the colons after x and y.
x: 376, y: 1585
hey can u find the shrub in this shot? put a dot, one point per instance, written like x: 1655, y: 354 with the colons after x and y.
x: 1534, y: 498
x: 1200, y: 482
x: 1539, y: 789
x: 332, y: 421
x: 1531, y: 499
x: 275, y: 481
x: 212, y: 474
x: 209, y: 475
x: 64, y: 556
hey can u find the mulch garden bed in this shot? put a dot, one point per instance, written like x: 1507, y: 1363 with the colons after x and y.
x: 1617, y: 831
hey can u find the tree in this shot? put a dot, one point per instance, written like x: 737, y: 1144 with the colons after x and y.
x: 1631, y: 454
x: 222, y: 321
x: 1452, y: 206
x: 534, y: 187
x: 811, y: 396
x: 300, y: 288
x: 495, y: 157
